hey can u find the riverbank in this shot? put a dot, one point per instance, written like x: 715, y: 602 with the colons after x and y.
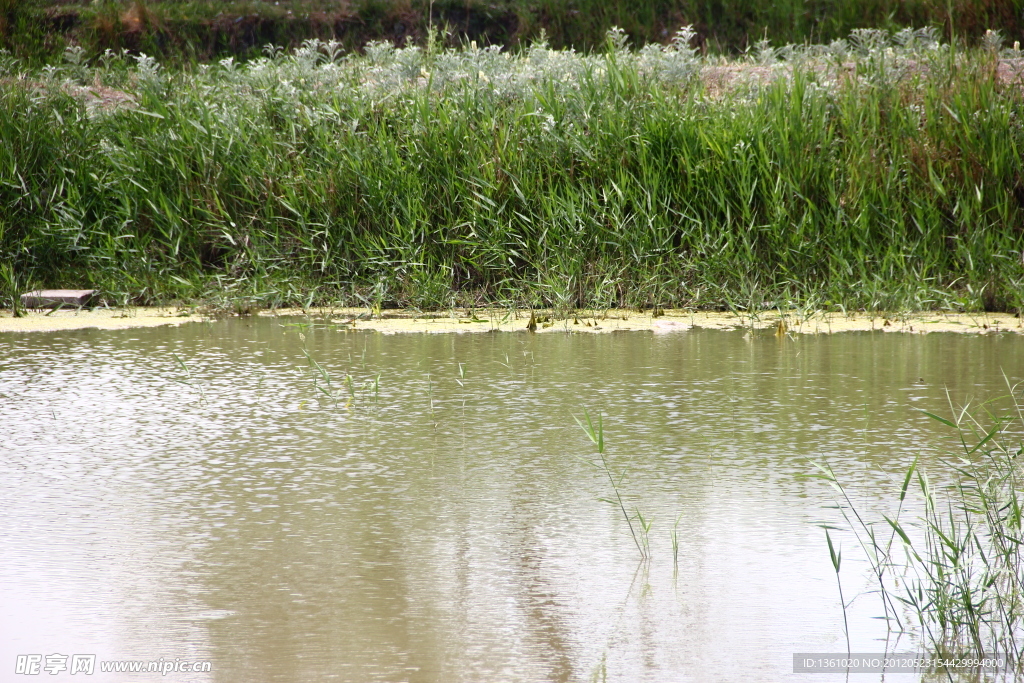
x: 880, y: 173
x: 543, y: 322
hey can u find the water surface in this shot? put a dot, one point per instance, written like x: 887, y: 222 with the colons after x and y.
x: 430, y: 515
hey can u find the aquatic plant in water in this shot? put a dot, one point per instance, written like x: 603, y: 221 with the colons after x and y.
x: 640, y: 533
x: 958, y: 567
x: 188, y: 379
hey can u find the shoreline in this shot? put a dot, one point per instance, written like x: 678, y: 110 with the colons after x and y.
x: 506, y: 320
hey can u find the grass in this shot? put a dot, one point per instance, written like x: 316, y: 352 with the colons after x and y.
x: 188, y: 379
x: 12, y: 289
x: 641, y: 531
x: 956, y: 569
x: 322, y: 378
x: 882, y: 172
x: 325, y: 388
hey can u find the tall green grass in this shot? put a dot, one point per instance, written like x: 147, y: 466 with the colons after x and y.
x: 956, y: 569
x: 879, y: 172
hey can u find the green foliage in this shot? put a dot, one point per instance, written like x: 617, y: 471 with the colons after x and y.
x: 881, y: 173
x: 180, y: 30
x: 957, y: 567
x: 642, y: 531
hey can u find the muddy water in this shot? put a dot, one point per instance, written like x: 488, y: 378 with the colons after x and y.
x: 444, y: 526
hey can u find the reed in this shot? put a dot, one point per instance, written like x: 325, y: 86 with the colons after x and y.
x: 882, y: 172
x: 188, y: 380
x: 956, y: 568
x: 11, y: 287
x: 322, y: 380
x: 640, y: 532
x: 674, y: 537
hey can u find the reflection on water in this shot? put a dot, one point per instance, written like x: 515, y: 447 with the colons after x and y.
x: 445, y: 526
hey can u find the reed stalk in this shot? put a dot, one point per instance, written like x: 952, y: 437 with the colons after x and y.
x: 596, y: 435
x: 957, y: 566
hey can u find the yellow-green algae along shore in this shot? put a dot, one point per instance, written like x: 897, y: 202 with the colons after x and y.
x: 544, y: 322
x: 101, y: 318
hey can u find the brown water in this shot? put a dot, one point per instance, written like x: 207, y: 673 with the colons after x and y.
x: 446, y: 526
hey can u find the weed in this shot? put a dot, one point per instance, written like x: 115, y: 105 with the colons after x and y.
x: 596, y: 436
x: 321, y: 378
x: 960, y: 574
x: 189, y: 380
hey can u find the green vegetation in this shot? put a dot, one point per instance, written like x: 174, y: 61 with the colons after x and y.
x: 641, y: 533
x: 206, y: 29
x: 957, y: 568
x: 883, y: 172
